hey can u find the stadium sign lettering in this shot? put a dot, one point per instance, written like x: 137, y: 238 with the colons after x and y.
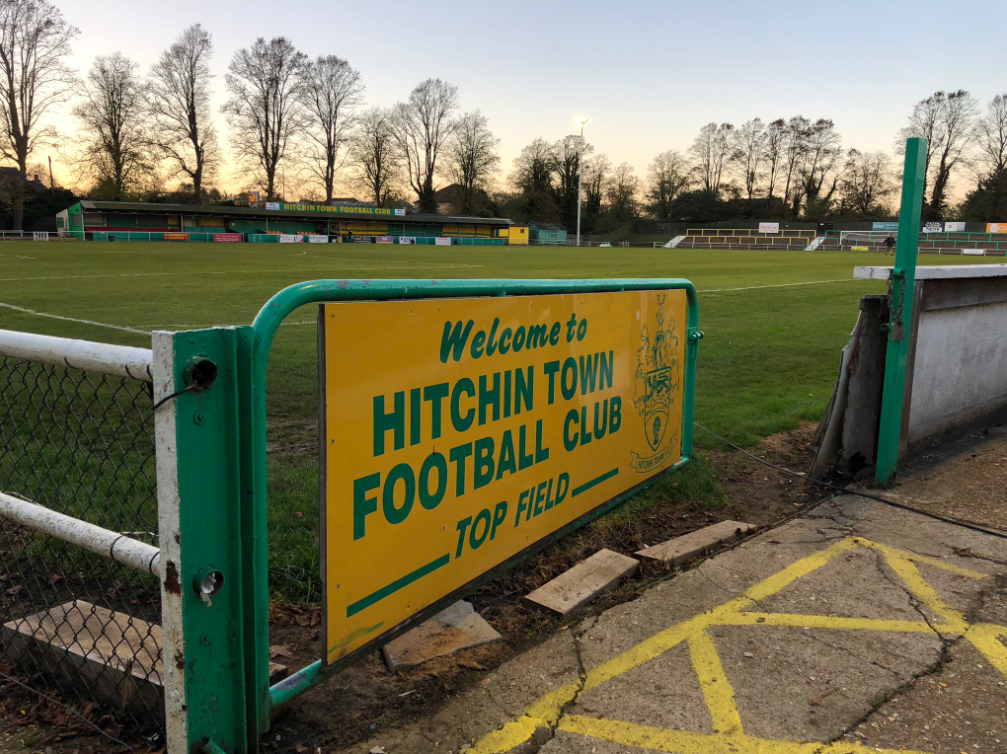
x: 339, y: 209
x: 457, y: 433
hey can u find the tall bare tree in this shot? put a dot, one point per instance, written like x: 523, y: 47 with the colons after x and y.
x: 34, y: 44
x: 596, y: 170
x: 472, y: 157
x: 820, y: 169
x: 992, y: 138
x: 750, y: 144
x: 866, y: 182
x: 795, y: 148
x: 774, y: 153
x: 423, y: 125
x: 329, y: 88
x: 621, y: 193
x: 535, y: 176
x: 264, y: 82
x: 668, y: 177
x: 569, y: 151
x: 711, y: 151
x: 947, y: 121
x: 374, y: 152
x: 112, y: 131
x: 179, y: 94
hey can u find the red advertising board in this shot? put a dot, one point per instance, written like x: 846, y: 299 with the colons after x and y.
x: 227, y: 238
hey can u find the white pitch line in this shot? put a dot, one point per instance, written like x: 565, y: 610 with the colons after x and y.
x: 33, y: 312
x: 238, y: 272
x: 124, y: 328
x: 776, y: 285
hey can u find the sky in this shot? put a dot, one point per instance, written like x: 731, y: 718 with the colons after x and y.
x: 648, y: 74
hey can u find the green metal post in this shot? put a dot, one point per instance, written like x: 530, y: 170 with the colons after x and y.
x: 199, y: 501
x: 903, y: 284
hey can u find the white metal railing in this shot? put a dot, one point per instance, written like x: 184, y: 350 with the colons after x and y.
x: 121, y: 361
x: 108, y: 544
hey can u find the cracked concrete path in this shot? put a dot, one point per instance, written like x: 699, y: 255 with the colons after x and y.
x: 859, y: 627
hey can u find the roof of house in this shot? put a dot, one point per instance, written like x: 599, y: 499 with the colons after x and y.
x: 546, y: 226
x: 446, y: 195
x: 322, y: 212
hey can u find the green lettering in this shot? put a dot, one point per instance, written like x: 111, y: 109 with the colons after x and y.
x: 363, y: 505
x: 453, y: 341
x: 435, y: 395
x: 483, y: 462
x: 507, y: 463
x: 402, y: 472
x: 428, y: 499
x: 459, y: 422
x: 489, y: 397
x: 395, y: 421
x: 458, y: 456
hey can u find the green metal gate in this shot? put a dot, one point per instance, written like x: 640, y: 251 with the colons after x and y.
x: 210, y: 427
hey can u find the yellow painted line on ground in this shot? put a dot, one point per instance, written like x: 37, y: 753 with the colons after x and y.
x: 718, y: 694
x: 949, y: 567
x: 954, y: 621
x: 801, y: 568
x: 682, y: 742
x: 797, y: 620
x: 646, y: 737
x: 986, y: 637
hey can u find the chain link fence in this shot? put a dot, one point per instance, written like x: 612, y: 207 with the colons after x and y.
x: 76, y: 626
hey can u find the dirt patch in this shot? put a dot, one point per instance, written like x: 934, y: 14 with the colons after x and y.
x: 759, y: 494
x: 292, y: 437
x: 367, y: 697
x: 963, y: 480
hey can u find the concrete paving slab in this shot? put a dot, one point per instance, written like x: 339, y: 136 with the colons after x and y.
x: 732, y: 656
x: 453, y: 629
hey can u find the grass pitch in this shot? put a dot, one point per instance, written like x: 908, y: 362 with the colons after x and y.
x: 774, y: 322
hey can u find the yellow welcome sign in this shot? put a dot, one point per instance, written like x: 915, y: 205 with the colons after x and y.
x: 457, y: 433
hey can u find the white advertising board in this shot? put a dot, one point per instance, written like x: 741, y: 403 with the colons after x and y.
x: 318, y: 239
x: 769, y: 227
x: 287, y: 238
x: 442, y: 241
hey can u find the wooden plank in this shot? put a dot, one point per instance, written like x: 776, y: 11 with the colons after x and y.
x: 584, y: 582
x: 694, y: 544
x: 114, y: 656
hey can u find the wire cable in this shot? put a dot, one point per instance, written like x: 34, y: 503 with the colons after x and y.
x: 869, y: 496
x: 68, y: 709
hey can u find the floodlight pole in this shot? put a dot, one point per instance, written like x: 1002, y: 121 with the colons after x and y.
x: 580, y: 172
x: 902, y: 289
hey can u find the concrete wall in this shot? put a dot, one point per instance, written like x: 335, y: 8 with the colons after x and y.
x: 959, y: 370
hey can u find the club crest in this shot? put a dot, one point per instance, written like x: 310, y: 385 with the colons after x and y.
x: 657, y: 380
